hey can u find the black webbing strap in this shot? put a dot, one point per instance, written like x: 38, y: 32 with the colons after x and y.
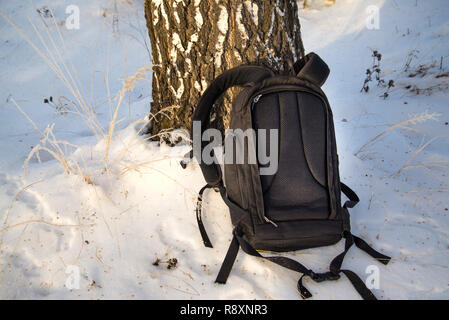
x: 228, y: 261
x: 359, y: 285
x: 233, y: 250
x: 334, y: 268
x: 199, y: 206
x: 350, y: 239
x: 232, y: 205
x: 198, y: 210
x: 352, y: 196
x: 239, y: 241
x: 360, y: 243
x: 332, y: 275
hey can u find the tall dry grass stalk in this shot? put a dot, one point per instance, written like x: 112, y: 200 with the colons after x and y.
x: 48, y: 142
x: 127, y: 86
x: 55, y: 57
x: 415, y: 119
x: 427, y: 164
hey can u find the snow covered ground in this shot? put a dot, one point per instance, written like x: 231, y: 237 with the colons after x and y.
x: 113, y: 219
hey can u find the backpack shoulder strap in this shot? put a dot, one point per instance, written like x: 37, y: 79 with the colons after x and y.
x: 237, y: 76
x: 312, y: 68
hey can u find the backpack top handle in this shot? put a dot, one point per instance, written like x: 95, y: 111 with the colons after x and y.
x: 312, y: 68
x: 238, y: 76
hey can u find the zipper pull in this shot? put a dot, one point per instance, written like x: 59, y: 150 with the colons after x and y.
x: 256, y: 98
x: 268, y: 220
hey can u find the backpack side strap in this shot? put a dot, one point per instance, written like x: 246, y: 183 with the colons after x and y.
x: 334, y: 267
x: 312, y: 68
x: 199, y: 219
x: 198, y: 211
x: 237, y: 76
x: 332, y: 275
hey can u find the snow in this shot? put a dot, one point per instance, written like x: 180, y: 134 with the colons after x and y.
x: 198, y: 16
x: 240, y: 25
x: 253, y: 9
x: 112, y: 221
x: 222, y: 25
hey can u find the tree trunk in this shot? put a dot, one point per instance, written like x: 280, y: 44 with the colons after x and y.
x: 192, y: 42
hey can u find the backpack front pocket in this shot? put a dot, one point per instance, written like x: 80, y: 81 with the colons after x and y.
x: 299, y: 188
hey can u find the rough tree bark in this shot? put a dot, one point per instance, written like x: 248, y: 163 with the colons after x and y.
x: 193, y: 41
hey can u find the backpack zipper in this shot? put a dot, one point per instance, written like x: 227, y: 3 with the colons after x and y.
x: 255, y: 100
x: 269, y: 90
x: 257, y: 97
x: 270, y: 221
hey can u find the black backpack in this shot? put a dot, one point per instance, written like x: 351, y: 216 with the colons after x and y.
x: 299, y: 206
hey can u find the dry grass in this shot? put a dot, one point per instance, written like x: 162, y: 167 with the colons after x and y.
x: 127, y: 85
x: 49, y: 143
x: 49, y: 44
x: 58, y: 148
x: 425, y: 116
x: 54, y: 56
x: 100, y: 169
x: 427, y: 164
x: 43, y: 222
x: 17, y: 197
